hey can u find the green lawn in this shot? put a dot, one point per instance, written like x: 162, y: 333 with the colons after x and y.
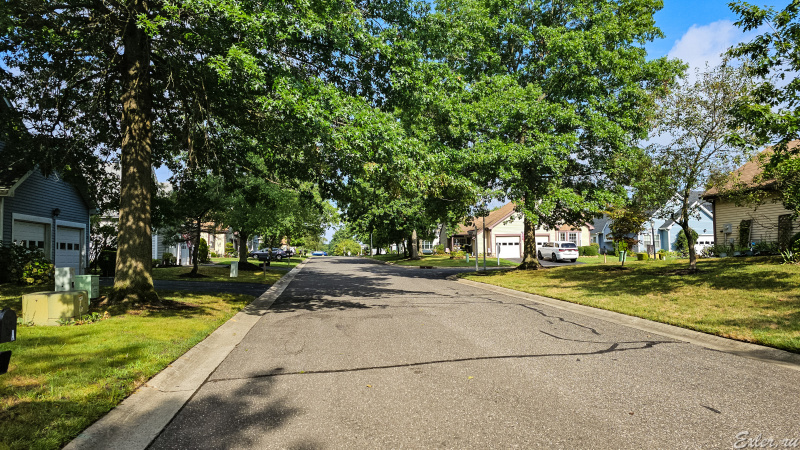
x: 750, y: 299
x: 213, y: 273
x: 61, y: 379
x: 443, y: 261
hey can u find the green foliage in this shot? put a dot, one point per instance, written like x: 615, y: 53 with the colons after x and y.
x: 643, y: 256
x: 202, y: 251
x: 589, y: 250
x: 438, y: 249
x: 744, y: 232
x: 347, y: 245
x: 24, y: 265
x: 168, y: 259
x: 682, y: 244
x: 229, y: 250
x: 772, y: 114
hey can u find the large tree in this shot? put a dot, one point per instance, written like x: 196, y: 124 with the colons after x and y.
x: 158, y: 82
x: 555, y: 97
x: 772, y: 114
x: 693, y: 129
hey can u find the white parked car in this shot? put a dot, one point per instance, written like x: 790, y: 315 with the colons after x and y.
x: 559, y: 251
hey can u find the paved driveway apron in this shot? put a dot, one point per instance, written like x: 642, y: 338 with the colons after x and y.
x: 356, y: 354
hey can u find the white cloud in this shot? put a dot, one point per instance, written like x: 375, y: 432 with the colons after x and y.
x: 706, y: 43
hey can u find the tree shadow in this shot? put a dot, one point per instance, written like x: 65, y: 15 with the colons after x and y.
x: 230, y: 414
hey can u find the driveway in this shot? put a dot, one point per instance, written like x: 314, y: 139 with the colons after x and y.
x: 355, y: 354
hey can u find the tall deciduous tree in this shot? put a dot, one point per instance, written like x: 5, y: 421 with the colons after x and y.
x: 772, y: 112
x: 556, y: 96
x: 155, y: 82
x: 693, y: 123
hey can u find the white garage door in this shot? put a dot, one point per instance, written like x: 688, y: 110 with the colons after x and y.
x: 68, y: 248
x: 509, y: 247
x: 29, y: 234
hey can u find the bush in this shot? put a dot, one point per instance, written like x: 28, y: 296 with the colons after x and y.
x: 202, y: 251
x: 682, y: 244
x: 591, y: 250
x: 24, y: 265
x: 214, y: 254
x: 229, y: 249
x: 642, y: 256
x: 155, y: 262
x: 438, y: 249
x: 168, y: 259
x: 766, y: 248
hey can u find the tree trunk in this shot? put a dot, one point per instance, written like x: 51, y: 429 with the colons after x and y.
x: 196, y: 247
x: 243, y: 252
x: 133, y: 281
x: 690, y: 239
x: 530, y: 259
x: 414, y: 247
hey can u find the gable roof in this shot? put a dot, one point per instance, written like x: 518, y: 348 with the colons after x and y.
x: 745, y: 176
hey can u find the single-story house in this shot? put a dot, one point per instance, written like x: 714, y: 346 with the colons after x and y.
x: 766, y: 221
x: 505, y: 230
x: 660, y: 232
x: 47, y: 213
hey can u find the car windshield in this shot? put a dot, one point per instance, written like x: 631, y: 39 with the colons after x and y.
x: 569, y: 245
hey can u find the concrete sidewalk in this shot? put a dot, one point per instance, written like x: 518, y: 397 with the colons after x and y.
x: 135, y: 422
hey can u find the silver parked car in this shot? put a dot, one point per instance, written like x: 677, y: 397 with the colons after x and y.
x: 559, y: 251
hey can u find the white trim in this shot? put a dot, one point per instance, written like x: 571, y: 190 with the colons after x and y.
x: 29, y: 218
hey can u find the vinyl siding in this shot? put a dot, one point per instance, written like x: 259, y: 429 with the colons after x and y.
x: 39, y: 196
x: 764, y: 217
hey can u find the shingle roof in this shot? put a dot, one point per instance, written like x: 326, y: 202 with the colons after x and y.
x: 745, y: 176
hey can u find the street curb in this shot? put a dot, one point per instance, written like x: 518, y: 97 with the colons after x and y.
x: 744, y: 349
x: 140, y: 418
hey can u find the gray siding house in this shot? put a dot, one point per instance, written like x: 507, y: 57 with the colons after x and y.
x: 47, y: 213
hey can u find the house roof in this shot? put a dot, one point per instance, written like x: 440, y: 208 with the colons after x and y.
x: 694, y: 197
x: 600, y: 223
x: 499, y: 216
x: 746, y: 176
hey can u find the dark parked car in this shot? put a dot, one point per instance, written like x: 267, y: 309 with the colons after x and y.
x: 278, y: 254
x: 261, y: 255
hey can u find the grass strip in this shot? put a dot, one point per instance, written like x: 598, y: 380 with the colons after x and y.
x: 748, y: 299
x: 62, y: 379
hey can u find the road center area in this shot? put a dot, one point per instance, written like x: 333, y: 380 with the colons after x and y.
x: 356, y: 354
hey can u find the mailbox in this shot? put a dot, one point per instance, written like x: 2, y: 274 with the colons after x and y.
x: 8, y: 325
x: 8, y: 333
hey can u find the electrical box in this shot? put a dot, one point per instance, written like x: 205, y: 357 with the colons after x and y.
x: 64, y: 278
x: 52, y: 308
x: 727, y: 228
x: 88, y: 283
x: 234, y: 269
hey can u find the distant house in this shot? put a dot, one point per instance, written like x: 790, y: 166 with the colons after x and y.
x: 659, y: 232
x: 766, y: 221
x: 47, y: 213
x: 505, y: 230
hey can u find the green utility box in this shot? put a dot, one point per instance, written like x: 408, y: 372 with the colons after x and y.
x: 88, y: 283
x: 48, y: 308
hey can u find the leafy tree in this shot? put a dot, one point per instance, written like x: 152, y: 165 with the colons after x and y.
x: 772, y: 112
x: 627, y: 221
x: 162, y: 82
x: 554, y: 96
x: 345, y: 246
x: 693, y: 121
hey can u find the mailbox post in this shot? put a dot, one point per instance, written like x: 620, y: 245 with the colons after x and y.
x: 8, y: 333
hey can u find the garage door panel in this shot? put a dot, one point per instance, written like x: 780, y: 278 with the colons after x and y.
x: 29, y: 234
x: 509, y: 246
x: 68, y: 247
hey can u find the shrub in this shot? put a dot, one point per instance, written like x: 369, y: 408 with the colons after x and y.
x: 168, y: 259
x: 766, y: 248
x: 155, y: 262
x: 202, y: 251
x: 642, y: 256
x: 591, y: 250
x: 229, y: 249
x: 438, y: 249
x: 595, y: 245
x: 213, y: 254
x: 24, y: 265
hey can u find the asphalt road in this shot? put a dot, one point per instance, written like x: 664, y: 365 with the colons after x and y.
x: 356, y: 354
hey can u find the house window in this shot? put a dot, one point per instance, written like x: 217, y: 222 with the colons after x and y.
x: 594, y: 239
x: 570, y: 236
x: 648, y: 240
x: 426, y: 245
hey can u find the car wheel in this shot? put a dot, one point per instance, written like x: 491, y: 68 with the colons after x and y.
x: 277, y: 257
x: 574, y: 260
x: 554, y: 257
x: 540, y: 255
